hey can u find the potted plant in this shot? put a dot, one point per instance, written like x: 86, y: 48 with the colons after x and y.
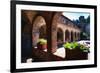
x: 75, y: 51
x: 42, y: 44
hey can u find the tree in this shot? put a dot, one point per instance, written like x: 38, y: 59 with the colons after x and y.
x: 88, y: 20
x: 83, y: 23
x: 82, y: 19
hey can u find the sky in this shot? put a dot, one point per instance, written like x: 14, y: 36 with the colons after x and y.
x: 75, y: 15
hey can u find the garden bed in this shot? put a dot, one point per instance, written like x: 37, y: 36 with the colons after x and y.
x: 75, y: 54
x: 75, y: 51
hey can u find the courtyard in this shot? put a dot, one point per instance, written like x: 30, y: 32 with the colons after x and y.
x: 55, y: 29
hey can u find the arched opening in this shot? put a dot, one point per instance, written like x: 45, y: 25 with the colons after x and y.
x: 38, y: 30
x: 59, y: 37
x: 67, y: 36
x: 42, y: 32
x: 72, y: 39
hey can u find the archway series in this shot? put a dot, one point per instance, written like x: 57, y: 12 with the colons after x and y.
x: 51, y: 26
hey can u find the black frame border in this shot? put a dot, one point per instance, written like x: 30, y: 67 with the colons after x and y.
x: 13, y: 35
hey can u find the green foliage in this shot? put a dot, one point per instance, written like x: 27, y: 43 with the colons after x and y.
x: 71, y: 46
x: 88, y: 19
x: 67, y: 45
x: 84, y: 35
x: 84, y: 48
x: 42, y: 41
x: 75, y: 45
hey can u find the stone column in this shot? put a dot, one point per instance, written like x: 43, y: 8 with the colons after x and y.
x: 79, y: 36
x: 51, y: 25
x: 72, y: 36
x: 54, y: 32
x: 76, y: 37
x: 64, y: 36
x: 54, y: 37
x: 69, y: 36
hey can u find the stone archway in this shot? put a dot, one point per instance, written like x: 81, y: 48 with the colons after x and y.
x: 59, y: 37
x: 67, y: 34
x: 37, y: 26
x: 72, y: 36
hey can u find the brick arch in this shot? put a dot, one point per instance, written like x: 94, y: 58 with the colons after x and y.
x: 72, y: 36
x: 26, y: 24
x: 67, y: 35
x: 60, y: 35
x: 37, y: 24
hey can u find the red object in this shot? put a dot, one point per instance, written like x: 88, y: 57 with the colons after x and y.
x: 42, y: 46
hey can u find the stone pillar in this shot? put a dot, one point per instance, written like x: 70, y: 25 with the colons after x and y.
x: 79, y: 36
x: 76, y: 37
x: 73, y: 36
x: 64, y: 36
x: 51, y: 25
x: 54, y: 32
x: 54, y: 37
x: 69, y: 36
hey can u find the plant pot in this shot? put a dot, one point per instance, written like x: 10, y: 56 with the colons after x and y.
x: 75, y: 54
x: 42, y: 46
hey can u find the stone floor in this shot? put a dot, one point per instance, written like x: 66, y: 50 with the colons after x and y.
x: 60, y: 52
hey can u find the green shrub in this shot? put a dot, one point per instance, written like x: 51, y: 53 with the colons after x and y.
x: 71, y: 46
x: 75, y: 45
x: 84, y: 48
x: 42, y: 41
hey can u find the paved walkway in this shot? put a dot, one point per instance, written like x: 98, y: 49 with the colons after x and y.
x: 60, y: 52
